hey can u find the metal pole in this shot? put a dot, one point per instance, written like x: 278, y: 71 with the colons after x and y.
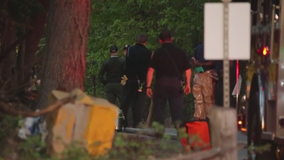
x: 272, y: 34
x: 226, y: 63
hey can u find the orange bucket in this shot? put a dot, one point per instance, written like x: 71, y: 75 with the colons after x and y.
x: 198, y: 135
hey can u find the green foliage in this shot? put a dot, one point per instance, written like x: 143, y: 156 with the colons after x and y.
x: 129, y: 147
x: 7, y: 127
x: 125, y: 147
x: 157, y: 127
x: 30, y: 148
x: 260, y: 149
x: 75, y: 151
x: 119, y: 22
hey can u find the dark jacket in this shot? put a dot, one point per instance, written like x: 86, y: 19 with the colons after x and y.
x: 199, y: 55
x: 137, y: 62
x: 170, y: 61
x: 112, y: 69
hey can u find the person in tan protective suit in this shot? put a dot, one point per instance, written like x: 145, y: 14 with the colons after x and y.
x: 205, y: 78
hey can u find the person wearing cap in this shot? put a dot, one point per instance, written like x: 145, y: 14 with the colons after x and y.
x: 125, y: 48
x: 110, y: 75
x: 170, y: 63
x: 134, y: 92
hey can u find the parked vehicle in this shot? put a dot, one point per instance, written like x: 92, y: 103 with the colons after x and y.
x: 261, y: 109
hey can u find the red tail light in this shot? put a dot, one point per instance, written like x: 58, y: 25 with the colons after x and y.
x: 240, y: 122
x: 264, y: 51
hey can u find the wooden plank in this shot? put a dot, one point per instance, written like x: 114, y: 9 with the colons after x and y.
x: 223, y: 123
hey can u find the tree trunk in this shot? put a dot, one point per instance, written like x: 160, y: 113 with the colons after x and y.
x: 20, y: 62
x: 37, y: 27
x: 8, y: 63
x: 64, y: 60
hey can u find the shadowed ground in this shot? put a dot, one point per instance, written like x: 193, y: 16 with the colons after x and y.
x: 242, y: 154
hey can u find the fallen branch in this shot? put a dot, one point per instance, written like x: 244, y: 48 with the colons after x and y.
x: 205, y: 155
x: 7, y: 109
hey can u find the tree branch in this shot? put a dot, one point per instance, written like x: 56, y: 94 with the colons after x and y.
x: 7, y: 109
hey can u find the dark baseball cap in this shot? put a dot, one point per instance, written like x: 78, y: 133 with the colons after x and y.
x: 126, y: 46
x: 113, y: 49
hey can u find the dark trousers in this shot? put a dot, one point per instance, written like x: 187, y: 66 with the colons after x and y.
x: 168, y: 89
x: 131, y: 97
x: 113, y: 92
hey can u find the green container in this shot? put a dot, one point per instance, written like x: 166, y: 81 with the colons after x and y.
x: 199, y: 69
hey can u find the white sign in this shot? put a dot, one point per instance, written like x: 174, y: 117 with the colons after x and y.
x: 239, y: 31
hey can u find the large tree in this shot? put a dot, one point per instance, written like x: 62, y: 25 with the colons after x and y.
x: 37, y: 25
x: 65, y: 49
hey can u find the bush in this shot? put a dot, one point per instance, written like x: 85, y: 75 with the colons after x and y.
x: 125, y: 146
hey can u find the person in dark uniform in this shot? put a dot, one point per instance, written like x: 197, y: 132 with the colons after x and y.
x: 125, y: 49
x: 203, y: 84
x: 219, y: 86
x: 134, y: 93
x: 169, y: 62
x: 113, y: 70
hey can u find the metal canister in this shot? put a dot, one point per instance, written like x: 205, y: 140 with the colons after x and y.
x: 120, y: 122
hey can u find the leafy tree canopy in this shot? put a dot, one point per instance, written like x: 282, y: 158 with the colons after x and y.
x: 119, y: 22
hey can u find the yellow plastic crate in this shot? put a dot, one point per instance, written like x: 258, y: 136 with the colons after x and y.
x: 89, y: 121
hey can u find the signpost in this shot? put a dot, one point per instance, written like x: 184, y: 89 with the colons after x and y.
x: 227, y: 36
x: 226, y: 63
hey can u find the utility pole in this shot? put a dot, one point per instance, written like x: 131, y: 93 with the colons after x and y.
x: 226, y: 62
x: 223, y: 120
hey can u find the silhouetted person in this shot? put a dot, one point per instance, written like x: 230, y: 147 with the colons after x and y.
x: 134, y: 93
x: 170, y: 63
x: 112, y: 69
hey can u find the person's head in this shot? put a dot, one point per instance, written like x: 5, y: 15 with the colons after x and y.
x: 165, y: 37
x: 113, y: 50
x: 142, y: 39
x: 125, y: 48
